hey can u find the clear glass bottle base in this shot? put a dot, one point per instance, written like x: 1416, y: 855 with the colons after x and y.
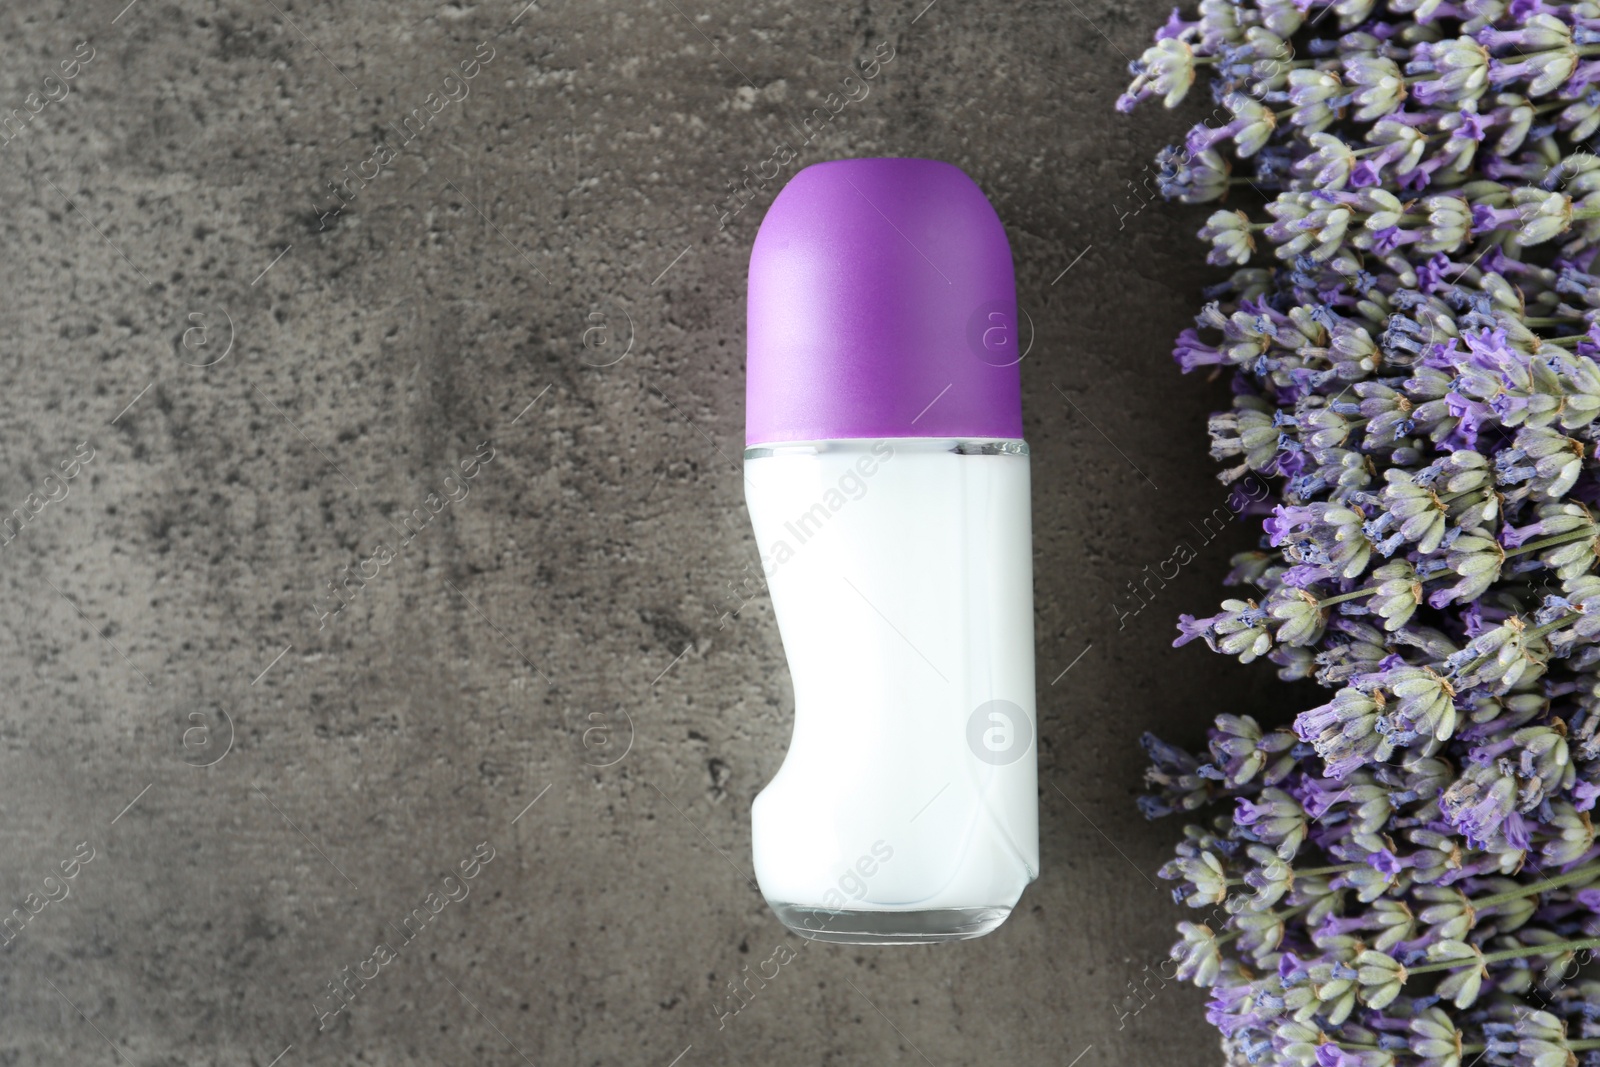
x: 889, y: 927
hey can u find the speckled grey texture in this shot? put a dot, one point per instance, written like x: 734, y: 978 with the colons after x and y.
x: 173, y: 209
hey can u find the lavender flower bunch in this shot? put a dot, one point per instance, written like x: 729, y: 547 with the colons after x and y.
x: 1409, y: 875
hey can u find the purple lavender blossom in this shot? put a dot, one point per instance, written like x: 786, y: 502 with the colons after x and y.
x: 1412, y: 338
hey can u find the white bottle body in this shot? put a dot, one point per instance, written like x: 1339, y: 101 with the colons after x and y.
x: 901, y: 575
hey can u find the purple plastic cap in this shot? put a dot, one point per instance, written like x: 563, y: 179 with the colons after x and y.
x: 882, y: 304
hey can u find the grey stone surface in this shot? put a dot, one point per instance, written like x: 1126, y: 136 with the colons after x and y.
x: 268, y: 795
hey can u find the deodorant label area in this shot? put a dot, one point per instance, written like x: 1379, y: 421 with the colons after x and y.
x: 901, y: 578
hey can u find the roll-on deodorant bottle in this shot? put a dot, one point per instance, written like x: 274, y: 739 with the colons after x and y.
x: 887, y: 481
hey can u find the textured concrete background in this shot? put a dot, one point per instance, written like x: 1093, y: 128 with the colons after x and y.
x: 267, y: 792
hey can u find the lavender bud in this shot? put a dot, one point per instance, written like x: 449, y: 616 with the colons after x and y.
x: 1166, y: 70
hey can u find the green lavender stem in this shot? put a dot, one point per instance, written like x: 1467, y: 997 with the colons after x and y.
x: 1554, y: 949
